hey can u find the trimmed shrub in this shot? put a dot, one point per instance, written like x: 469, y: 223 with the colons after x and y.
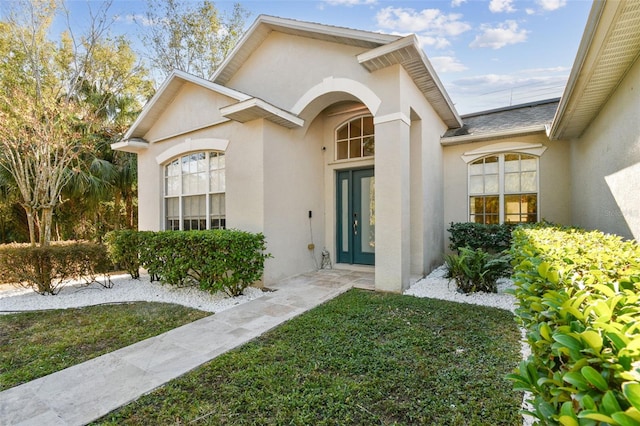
x: 216, y: 260
x: 477, y: 270
x: 122, y: 248
x: 578, y: 299
x: 45, y: 268
x: 492, y: 238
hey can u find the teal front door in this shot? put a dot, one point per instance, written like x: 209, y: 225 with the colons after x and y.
x: 356, y: 218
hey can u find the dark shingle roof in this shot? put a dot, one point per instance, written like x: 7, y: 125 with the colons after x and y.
x: 504, y: 119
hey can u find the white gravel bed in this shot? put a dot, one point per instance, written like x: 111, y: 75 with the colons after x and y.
x: 436, y: 286
x: 125, y: 289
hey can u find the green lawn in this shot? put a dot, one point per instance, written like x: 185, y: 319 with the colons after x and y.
x: 362, y: 359
x: 35, y: 344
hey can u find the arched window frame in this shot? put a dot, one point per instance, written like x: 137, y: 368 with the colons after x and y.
x: 355, y: 138
x: 495, y: 164
x: 194, y: 186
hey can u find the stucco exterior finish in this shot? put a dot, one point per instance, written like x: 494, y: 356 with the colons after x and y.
x: 606, y: 164
x: 554, y: 178
x: 276, y: 176
x: 274, y: 108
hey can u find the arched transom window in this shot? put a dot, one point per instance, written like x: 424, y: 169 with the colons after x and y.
x: 194, y: 191
x: 355, y: 139
x: 503, y: 188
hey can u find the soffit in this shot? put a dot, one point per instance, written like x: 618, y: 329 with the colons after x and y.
x: 264, y: 25
x: 609, y: 47
x: 407, y: 53
x: 255, y: 108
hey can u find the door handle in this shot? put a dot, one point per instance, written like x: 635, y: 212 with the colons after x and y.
x: 355, y: 227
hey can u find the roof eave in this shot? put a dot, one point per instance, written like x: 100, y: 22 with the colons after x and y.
x: 608, y: 49
x: 134, y: 145
x: 407, y: 52
x: 559, y: 120
x: 254, y: 108
x: 245, y: 47
x: 178, y: 79
x: 502, y: 134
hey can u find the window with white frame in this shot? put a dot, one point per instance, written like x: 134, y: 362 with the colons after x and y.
x: 194, y: 191
x: 355, y: 139
x: 503, y: 188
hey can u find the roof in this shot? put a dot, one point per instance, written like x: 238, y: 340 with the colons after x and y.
x: 379, y: 51
x: 163, y: 98
x: 245, y: 109
x: 610, y: 46
x: 523, y: 119
x: 264, y: 25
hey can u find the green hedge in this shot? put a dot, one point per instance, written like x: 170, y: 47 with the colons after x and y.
x: 216, y: 260
x: 492, y: 238
x: 45, y: 268
x: 122, y: 247
x: 578, y: 300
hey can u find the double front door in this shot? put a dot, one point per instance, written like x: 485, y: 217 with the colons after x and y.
x: 356, y: 219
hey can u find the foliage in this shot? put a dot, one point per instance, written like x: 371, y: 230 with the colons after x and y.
x: 191, y: 38
x: 216, y: 260
x: 58, y: 100
x: 122, y: 248
x: 44, y: 269
x: 477, y: 270
x: 363, y: 358
x: 34, y: 344
x: 579, y: 301
x: 493, y: 238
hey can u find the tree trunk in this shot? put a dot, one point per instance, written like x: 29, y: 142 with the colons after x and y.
x: 32, y: 224
x: 45, y: 226
x: 129, y: 210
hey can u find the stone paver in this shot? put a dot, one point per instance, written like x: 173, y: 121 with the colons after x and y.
x: 87, y: 391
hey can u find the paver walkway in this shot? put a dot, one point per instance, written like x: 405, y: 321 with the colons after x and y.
x: 87, y: 391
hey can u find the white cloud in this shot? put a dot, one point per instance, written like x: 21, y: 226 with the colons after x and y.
x: 444, y: 64
x: 456, y: 3
x: 135, y: 19
x: 497, y: 6
x: 428, y: 21
x: 436, y: 42
x: 349, y: 2
x: 500, y: 36
x: 550, y: 5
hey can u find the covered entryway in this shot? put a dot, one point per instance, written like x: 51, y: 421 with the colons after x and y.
x: 355, y: 216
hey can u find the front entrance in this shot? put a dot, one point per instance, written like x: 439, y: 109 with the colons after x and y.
x: 356, y: 219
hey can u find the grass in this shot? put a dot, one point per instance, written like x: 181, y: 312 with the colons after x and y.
x: 360, y: 359
x: 35, y: 344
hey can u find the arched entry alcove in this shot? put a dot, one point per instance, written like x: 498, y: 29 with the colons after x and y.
x: 344, y: 123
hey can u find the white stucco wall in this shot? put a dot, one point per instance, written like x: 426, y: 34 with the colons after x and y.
x: 293, y: 186
x: 606, y: 164
x: 554, y: 179
x: 275, y: 176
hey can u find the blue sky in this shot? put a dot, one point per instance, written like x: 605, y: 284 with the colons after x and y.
x: 488, y: 54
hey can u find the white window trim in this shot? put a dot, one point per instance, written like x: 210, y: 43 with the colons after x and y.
x: 181, y: 196
x: 535, y: 149
x: 349, y: 138
x: 192, y: 145
x: 501, y: 192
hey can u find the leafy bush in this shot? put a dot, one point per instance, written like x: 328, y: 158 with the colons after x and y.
x: 477, y: 270
x: 493, y: 238
x: 216, y: 260
x: 45, y: 268
x: 122, y: 248
x: 578, y: 298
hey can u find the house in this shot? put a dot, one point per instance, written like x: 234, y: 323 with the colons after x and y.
x: 332, y: 138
